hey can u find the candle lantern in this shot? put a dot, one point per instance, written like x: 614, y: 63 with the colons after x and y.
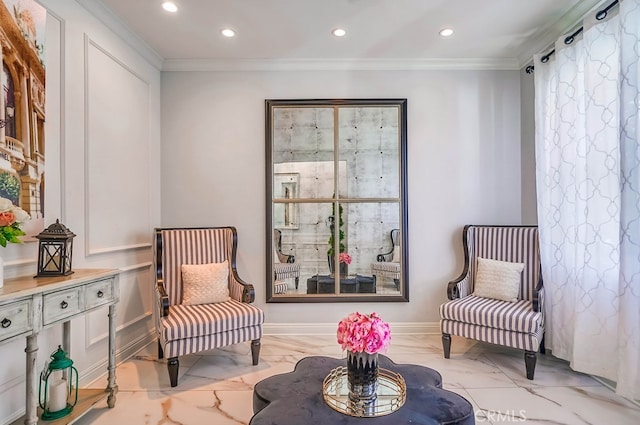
x: 60, y: 382
x: 55, y: 250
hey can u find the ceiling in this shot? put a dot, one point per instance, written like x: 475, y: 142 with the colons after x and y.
x: 503, y: 31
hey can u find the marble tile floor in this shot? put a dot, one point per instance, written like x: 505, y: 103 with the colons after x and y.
x: 215, y: 387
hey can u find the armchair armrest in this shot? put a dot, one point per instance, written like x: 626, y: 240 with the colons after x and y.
x: 284, y: 258
x: 538, y: 295
x: 162, y: 299
x: 241, y: 290
x: 386, y: 257
x: 459, y: 288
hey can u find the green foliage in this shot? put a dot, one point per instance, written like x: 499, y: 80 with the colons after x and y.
x: 342, y: 247
x: 10, y: 234
x: 9, y: 187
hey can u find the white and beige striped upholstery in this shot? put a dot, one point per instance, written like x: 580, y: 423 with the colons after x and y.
x: 284, y: 266
x: 516, y: 244
x: 279, y: 287
x: 384, y: 266
x: 286, y: 270
x: 519, y: 340
x: 465, y: 316
x: 186, y: 329
x: 386, y: 269
x: 519, y: 324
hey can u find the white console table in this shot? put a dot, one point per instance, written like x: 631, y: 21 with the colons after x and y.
x: 28, y: 305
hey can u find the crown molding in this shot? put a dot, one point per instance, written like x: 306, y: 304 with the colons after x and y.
x: 105, y: 15
x: 546, y: 36
x: 312, y: 64
x: 541, y: 40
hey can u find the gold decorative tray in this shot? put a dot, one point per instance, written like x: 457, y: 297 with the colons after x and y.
x: 392, y: 393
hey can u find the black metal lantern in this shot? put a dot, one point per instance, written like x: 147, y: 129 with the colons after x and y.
x: 55, y: 250
x: 60, y: 379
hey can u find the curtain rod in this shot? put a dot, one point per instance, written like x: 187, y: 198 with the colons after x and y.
x: 571, y: 38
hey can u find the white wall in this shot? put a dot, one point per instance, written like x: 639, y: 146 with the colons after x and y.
x: 528, y: 154
x: 464, y: 166
x: 102, y: 159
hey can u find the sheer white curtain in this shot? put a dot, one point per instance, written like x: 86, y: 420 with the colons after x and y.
x: 588, y: 182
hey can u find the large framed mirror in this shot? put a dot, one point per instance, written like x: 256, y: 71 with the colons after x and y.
x: 336, y: 203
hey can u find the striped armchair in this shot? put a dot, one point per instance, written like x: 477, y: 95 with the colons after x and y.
x: 388, y: 264
x: 284, y: 266
x: 517, y: 324
x: 185, y: 329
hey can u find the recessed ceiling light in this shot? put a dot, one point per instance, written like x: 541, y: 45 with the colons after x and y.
x: 170, y: 6
x: 339, y: 32
x: 228, y: 32
x: 446, y: 32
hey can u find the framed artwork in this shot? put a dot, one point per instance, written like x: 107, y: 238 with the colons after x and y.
x: 22, y: 112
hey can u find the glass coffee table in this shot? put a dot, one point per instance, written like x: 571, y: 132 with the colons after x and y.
x: 297, y: 397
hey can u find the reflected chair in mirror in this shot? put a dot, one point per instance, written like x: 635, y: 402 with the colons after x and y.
x: 499, y: 298
x: 201, y: 301
x: 284, y: 265
x: 388, y: 264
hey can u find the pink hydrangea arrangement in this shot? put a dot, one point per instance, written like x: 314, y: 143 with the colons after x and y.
x: 361, y: 332
x: 344, y: 258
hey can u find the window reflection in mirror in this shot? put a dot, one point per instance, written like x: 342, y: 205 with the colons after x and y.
x: 336, y: 200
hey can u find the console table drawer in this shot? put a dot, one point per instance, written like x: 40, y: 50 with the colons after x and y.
x: 58, y: 305
x: 15, y: 318
x: 98, y: 293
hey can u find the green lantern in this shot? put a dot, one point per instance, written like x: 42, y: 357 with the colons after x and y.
x: 60, y: 382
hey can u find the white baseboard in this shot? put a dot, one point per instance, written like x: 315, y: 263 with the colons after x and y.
x: 403, y: 328
x: 99, y: 370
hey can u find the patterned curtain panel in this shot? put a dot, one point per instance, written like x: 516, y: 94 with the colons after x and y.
x: 588, y: 182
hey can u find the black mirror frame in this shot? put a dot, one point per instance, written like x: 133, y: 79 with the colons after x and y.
x: 312, y: 298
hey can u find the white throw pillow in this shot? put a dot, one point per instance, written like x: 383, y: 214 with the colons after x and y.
x: 499, y: 280
x: 397, y: 253
x: 205, y: 283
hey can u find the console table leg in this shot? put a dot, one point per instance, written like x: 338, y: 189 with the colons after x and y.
x: 66, y: 337
x: 112, y: 388
x: 66, y: 343
x: 31, y: 384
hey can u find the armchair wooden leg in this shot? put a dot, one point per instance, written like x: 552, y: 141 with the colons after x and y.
x: 530, y: 363
x: 542, y: 349
x: 255, y: 351
x: 160, y: 351
x: 446, y: 345
x: 173, y: 365
x: 297, y: 281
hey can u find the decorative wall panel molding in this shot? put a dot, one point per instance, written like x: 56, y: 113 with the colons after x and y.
x: 131, y: 277
x: 117, y: 154
x: 91, y: 341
